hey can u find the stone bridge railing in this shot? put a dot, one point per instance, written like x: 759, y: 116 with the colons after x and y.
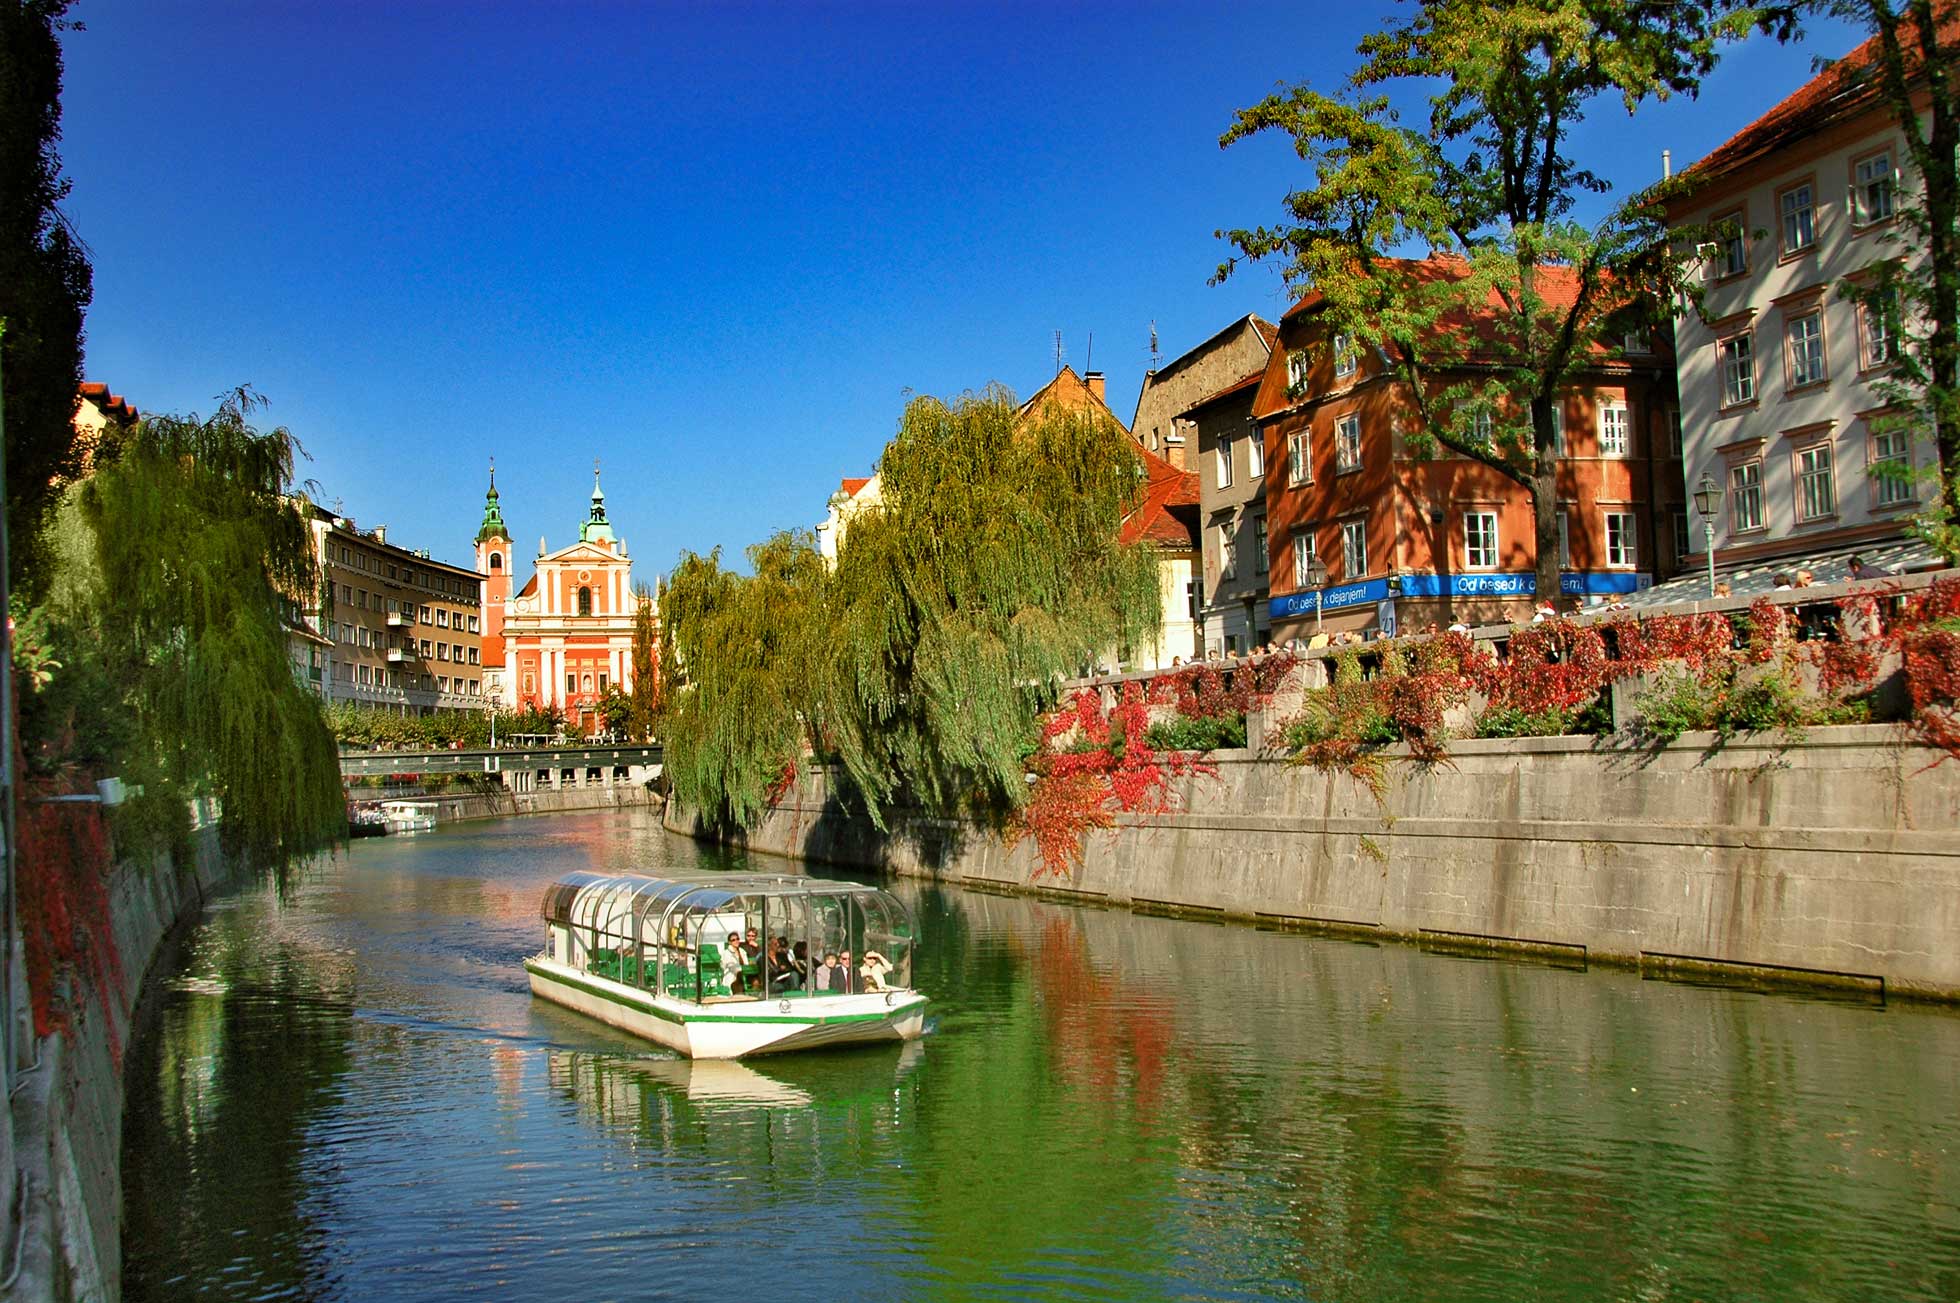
x: 524, y: 769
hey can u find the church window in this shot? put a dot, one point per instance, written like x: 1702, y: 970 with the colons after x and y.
x: 585, y: 601
x: 496, y: 562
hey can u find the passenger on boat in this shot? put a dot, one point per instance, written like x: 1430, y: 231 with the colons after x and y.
x: 799, y: 955
x: 782, y: 973
x: 873, y: 970
x: 843, y: 981
x: 731, y: 962
x: 826, y: 974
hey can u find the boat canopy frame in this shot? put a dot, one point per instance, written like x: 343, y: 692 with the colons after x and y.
x: 668, y: 934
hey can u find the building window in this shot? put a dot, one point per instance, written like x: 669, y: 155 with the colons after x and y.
x: 1296, y: 374
x: 456, y: 653
x: 361, y: 593
x: 1194, y: 596
x: 1558, y: 428
x: 585, y: 601
x: 1799, y: 219
x: 442, y: 618
x: 428, y: 616
x: 1259, y: 563
x: 1891, y: 459
x: 1347, y: 443
x: 1345, y: 360
x: 1304, y: 551
x: 1872, y: 192
x: 1255, y: 456
x: 1299, y: 466
x: 1804, y: 340
x: 364, y: 672
x: 442, y: 683
x: 473, y: 656
x: 1228, y: 553
x: 530, y: 685
x: 1481, y: 425
x: 1816, y: 484
x: 1614, y: 428
x: 425, y: 648
x: 1682, y: 547
x: 1745, y: 497
x: 1354, y: 548
x: 1878, y: 330
x: 1223, y: 456
x: 1622, y: 548
x: 1480, y: 540
x: 1738, y: 370
x: 602, y: 683
x: 1564, y: 541
x: 571, y: 685
x: 1675, y: 443
x: 1735, y: 245
x: 588, y: 683
x: 473, y: 628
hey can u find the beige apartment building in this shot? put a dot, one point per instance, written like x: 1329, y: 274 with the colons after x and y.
x: 1779, y: 372
x: 403, y: 630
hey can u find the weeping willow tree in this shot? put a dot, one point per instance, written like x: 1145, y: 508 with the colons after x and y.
x: 737, y: 667
x: 176, y: 565
x: 989, y: 570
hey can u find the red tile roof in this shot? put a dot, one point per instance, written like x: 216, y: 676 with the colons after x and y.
x: 112, y: 405
x: 1846, y: 87
x: 1157, y: 518
x: 1250, y: 381
x: 1268, y: 332
x: 853, y: 485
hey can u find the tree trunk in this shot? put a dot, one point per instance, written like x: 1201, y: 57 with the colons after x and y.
x: 1543, y: 487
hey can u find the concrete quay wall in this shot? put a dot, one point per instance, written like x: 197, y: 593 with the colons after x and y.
x: 67, y: 1109
x: 1835, y: 859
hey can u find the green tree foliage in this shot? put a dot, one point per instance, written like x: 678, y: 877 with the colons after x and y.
x: 168, y: 602
x: 1484, y: 346
x: 990, y: 570
x: 45, y: 281
x: 1914, y: 281
x: 646, y: 666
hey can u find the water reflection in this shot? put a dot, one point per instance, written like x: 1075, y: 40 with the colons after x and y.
x: 352, y: 1095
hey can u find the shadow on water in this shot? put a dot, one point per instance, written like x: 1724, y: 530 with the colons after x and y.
x: 349, y: 1095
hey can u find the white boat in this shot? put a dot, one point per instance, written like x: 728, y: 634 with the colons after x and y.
x: 408, y: 816
x: 664, y: 959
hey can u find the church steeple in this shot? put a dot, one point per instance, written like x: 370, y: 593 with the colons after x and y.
x: 596, y: 529
x: 493, y: 515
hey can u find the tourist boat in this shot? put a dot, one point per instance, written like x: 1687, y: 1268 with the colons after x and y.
x: 364, y: 819
x: 653, y: 956
x: 408, y: 816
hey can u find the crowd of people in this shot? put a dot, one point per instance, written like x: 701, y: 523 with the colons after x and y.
x: 748, y: 967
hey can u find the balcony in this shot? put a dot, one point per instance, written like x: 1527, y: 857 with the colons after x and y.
x: 401, y: 655
x: 400, y: 619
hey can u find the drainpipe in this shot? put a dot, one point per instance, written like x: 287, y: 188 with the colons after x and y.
x: 8, y: 924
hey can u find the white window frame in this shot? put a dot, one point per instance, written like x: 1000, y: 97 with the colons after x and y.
x: 1222, y: 459
x: 1305, y: 549
x: 1296, y: 373
x: 1735, y: 245
x: 1346, y: 358
x: 1890, y: 447
x: 1354, y: 539
x: 1814, y: 468
x: 1299, y: 457
x: 1746, y: 496
x: 1878, y: 343
x: 1480, y: 540
x: 1622, y: 540
x: 1255, y: 455
x: 1803, y: 349
x: 1735, y: 358
x: 1615, y: 428
x: 1228, y: 553
x: 1347, y: 443
x: 1868, y: 181
x: 1798, y: 220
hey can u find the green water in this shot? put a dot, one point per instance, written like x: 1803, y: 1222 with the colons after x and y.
x: 352, y: 1095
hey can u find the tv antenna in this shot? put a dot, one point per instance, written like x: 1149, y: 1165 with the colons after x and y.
x: 1058, y: 352
x: 1153, y: 344
x: 1089, y: 359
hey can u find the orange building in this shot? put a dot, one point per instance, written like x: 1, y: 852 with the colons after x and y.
x: 566, y: 638
x: 1406, y: 540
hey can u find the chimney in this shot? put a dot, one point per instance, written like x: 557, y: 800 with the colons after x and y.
x: 381, y: 533
x: 1095, y: 382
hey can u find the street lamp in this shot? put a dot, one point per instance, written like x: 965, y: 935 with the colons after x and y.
x: 1708, y: 501
x: 1316, y: 579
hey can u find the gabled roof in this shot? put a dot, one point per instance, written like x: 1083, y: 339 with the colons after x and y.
x: 853, y: 485
x: 1072, y: 393
x: 113, y: 406
x: 1849, y: 86
x: 1243, y: 383
x: 1167, y: 514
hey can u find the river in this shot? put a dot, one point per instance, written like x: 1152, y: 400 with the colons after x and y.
x: 350, y: 1094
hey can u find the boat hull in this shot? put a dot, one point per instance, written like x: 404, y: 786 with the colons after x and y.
x: 737, y: 1029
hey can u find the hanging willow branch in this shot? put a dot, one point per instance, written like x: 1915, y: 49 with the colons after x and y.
x: 989, y: 570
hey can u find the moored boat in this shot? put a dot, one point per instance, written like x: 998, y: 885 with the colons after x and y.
x: 709, y: 966
x: 408, y: 816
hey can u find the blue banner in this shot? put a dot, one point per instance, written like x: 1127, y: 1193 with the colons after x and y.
x: 1590, y: 583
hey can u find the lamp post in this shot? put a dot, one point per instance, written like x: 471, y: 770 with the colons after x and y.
x: 1316, y: 579
x: 1708, y: 501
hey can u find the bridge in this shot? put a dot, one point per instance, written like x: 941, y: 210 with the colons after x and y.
x: 530, y: 768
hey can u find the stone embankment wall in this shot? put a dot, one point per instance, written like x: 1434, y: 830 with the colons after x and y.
x: 503, y: 804
x: 68, y: 1109
x: 1836, y: 859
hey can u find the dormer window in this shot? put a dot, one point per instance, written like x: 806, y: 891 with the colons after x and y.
x: 1296, y: 374
x: 1346, y: 359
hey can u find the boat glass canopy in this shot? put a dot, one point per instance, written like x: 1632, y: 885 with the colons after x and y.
x: 731, y: 936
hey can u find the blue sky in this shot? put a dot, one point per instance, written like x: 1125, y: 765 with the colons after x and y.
x: 713, y: 246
